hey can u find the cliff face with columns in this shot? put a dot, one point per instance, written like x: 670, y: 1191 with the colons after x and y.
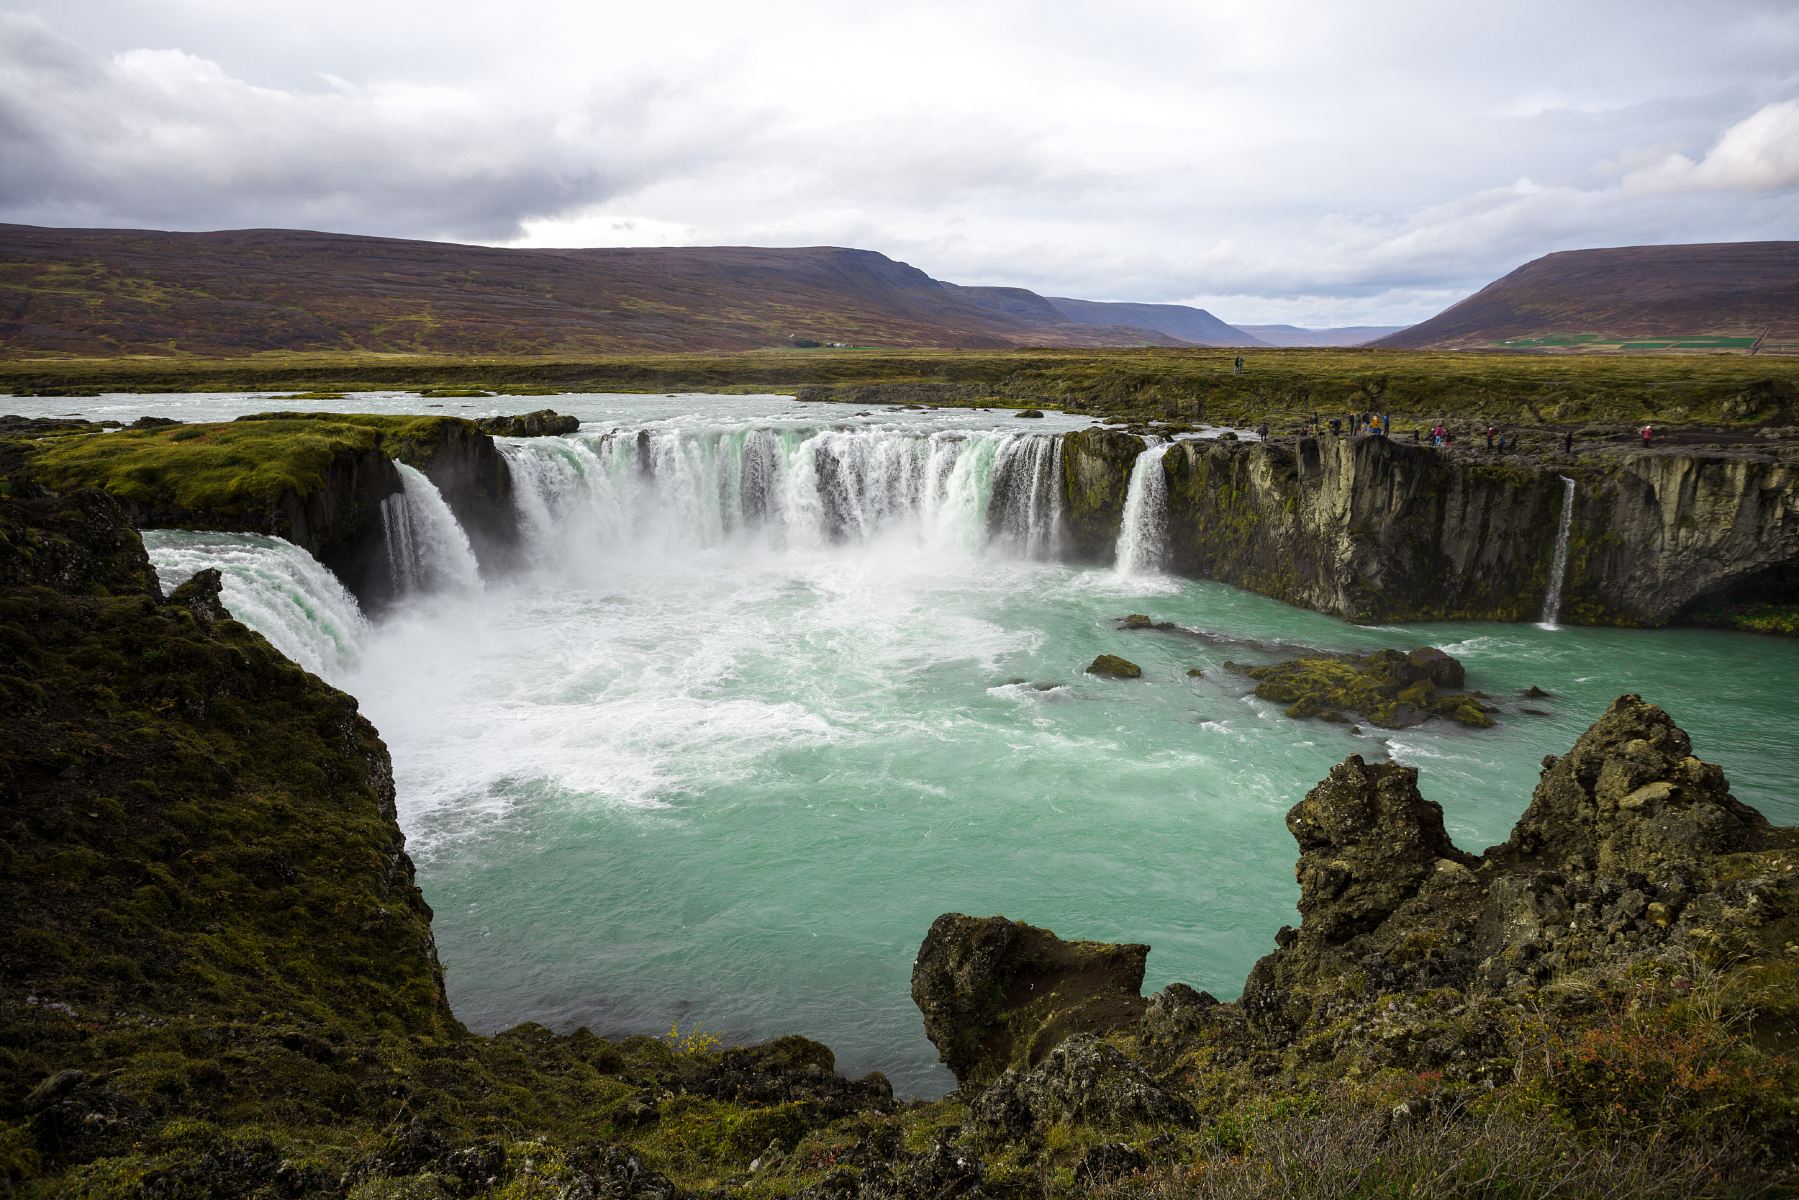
x: 1375, y: 530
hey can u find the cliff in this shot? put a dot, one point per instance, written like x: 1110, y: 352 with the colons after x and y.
x: 1372, y: 529
x: 317, y: 479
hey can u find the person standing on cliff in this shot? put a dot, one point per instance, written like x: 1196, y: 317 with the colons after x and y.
x: 1490, y: 432
x: 1568, y: 444
x: 1648, y: 435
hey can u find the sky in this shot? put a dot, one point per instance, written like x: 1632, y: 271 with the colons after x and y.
x: 1320, y: 163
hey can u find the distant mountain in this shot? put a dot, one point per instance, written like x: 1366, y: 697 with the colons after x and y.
x: 1335, y: 335
x: 1723, y: 296
x: 1193, y: 326
x: 115, y: 291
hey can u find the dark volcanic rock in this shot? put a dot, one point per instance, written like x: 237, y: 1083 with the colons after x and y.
x: 996, y: 993
x: 1082, y: 1081
x: 1390, y: 688
x: 1096, y: 474
x: 1110, y: 666
x: 1630, y: 796
x: 200, y: 596
x: 1367, y: 840
x: 545, y: 422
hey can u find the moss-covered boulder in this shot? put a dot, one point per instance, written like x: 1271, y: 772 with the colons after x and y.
x: 997, y: 994
x: 1389, y: 688
x: 1110, y: 666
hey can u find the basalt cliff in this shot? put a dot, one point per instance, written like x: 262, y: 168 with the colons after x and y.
x: 221, y: 981
x: 1373, y: 529
x: 1365, y: 528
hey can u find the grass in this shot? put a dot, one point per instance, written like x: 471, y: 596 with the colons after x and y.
x: 226, y: 467
x: 1277, y: 385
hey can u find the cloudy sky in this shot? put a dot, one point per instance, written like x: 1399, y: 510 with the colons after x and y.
x: 1323, y: 163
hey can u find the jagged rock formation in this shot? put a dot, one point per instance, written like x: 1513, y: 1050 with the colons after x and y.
x: 996, y: 993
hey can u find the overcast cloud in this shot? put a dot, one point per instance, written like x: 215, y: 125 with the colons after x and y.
x: 1323, y: 163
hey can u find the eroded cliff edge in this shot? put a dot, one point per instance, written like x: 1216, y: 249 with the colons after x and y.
x: 1372, y: 529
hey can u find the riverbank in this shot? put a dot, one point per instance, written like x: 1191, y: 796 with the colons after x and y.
x: 1736, y: 394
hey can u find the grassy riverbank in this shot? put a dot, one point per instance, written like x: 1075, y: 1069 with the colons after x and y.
x: 1276, y: 385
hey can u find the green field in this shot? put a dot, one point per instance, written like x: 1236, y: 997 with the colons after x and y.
x: 1178, y: 385
x: 1599, y: 341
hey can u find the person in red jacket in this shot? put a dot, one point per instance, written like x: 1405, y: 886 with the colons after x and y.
x: 1648, y: 434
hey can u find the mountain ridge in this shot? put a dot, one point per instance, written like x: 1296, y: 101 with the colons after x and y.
x: 1703, y: 296
x: 89, y: 291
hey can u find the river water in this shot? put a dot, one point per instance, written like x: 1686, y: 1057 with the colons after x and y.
x: 781, y: 683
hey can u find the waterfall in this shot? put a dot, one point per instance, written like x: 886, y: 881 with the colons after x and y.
x: 1552, y: 603
x: 427, y: 551
x: 955, y: 491
x: 1027, y: 496
x: 1143, y: 533
x: 275, y: 588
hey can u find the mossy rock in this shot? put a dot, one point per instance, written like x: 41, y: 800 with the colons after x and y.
x: 1110, y: 666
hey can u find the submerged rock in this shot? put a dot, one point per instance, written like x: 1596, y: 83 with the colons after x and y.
x: 1110, y: 666
x: 997, y: 994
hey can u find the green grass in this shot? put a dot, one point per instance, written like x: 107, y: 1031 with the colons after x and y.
x: 1278, y: 385
x: 226, y: 467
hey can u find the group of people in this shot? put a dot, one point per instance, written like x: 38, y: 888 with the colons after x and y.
x: 1440, y: 434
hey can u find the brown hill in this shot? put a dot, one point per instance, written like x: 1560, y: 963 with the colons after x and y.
x: 115, y: 291
x: 1726, y: 296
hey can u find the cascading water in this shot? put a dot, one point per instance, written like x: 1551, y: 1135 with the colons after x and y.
x: 1552, y: 603
x: 427, y: 551
x: 953, y: 490
x: 1143, y: 533
x: 275, y: 588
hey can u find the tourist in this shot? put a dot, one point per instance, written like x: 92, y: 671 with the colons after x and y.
x: 1490, y: 432
x: 1648, y: 434
x: 1262, y: 431
x: 1336, y: 426
x: 1568, y: 444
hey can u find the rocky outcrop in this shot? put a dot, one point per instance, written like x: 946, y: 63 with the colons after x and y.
x: 1619, y: 858
x: 1364, y: 528
x: 1096, y: 474
x: 1389, y: 688
x: 544, y: 422
x: 997, y: 994
x: 476, y: 482
x: 1110, y: 666
x: 1670, y: 530
x: 1631, y: 798
x: 1372, y: 529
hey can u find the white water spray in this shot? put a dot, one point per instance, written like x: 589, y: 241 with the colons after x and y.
x: 1143, y: 533
x: 1552, y: 603
x: 275, y: 588
x: 427, y: 551
x: 687, y: 488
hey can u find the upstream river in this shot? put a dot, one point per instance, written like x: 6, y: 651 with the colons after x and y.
x: 776, y: 684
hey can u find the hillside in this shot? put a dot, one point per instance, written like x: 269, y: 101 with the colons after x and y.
x: 1337, y: 335
x: 112, y: 291
x: 1194, y: 326
x: 1741, y: 296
